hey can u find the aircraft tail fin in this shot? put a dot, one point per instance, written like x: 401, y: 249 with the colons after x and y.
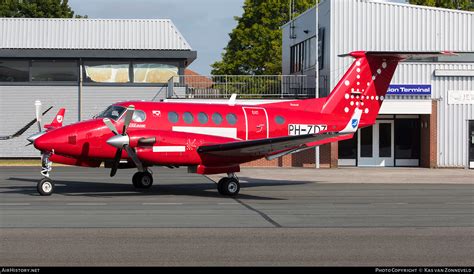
x: 57, y: 121
x: 366, y: 82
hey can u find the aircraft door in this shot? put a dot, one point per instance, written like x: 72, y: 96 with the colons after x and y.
x: 256, y: 123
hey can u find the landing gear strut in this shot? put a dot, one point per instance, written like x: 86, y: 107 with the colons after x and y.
x: 142, y: 179
x: 45, y: 187
x: 229, y: 186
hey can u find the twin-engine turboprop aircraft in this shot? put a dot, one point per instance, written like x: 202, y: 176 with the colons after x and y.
x: 216, y: 138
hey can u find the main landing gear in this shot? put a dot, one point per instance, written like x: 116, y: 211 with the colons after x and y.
x: 142, y: 179
x: 229, y: 186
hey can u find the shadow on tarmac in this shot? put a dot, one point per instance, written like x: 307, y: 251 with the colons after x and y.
x: 111, y: 189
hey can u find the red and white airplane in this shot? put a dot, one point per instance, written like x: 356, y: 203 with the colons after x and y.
x: 217, y: 138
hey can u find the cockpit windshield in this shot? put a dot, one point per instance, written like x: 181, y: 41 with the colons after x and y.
x: 112, y: 112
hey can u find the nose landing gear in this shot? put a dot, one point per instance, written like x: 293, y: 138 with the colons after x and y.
x: 45, y: 187
x: 229, y: 186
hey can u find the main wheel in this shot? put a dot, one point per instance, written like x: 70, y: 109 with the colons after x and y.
x: 220, y: 184
x: 45, y: 187
x: 142, y: 180
x: 228, y: 186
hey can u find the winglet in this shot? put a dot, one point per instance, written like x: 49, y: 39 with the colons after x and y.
x: 353, y: 123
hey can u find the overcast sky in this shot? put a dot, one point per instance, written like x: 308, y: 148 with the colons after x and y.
x: 204, y: 23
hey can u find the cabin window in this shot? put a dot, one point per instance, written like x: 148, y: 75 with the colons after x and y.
x: 279, y: 120
x: 203, y: 118
x: 173, y: 117
x: 217, y: 118
x: 188, y: 117
x: 231, y: 118
x: 139, y: 116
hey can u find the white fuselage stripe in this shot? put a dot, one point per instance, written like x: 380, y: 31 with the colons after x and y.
x: 169, y: 149
x: 229, y: 132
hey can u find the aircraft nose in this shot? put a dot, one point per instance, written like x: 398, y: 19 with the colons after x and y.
x: 43, y: 143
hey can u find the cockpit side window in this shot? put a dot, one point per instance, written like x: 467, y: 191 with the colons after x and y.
x: 112, y: 112
x: 139, y: 116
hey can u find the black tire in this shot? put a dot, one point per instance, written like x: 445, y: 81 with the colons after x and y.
x: 45, y: 187
x: 220, y: 184
x: 142, y: 180
x: 230, y: 187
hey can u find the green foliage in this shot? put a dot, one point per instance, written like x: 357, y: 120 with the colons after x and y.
x: 37, y: 9
x: 449, y: 4
x: 255, y: 44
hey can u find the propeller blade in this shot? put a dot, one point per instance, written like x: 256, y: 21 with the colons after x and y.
x: 116, y: 162
x: 128, y: 118
x: 134, y: 157
x: 110, y: 125
x: 38, y: 113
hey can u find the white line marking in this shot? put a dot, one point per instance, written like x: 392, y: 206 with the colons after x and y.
x: 460, y: 203
x: 390, y: 203
x: 162, y: 203
x: 228, y: 203
x: 169, y: 149
x: 230, y: 132
x: 86, y: 204
x: 14, y: 204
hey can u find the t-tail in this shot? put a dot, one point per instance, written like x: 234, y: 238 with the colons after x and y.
x: 366, y: 82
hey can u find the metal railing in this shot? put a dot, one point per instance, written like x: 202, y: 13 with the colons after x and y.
x: 245, y: 86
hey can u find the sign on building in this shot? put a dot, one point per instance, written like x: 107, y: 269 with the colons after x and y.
x: 460, y: 97
x: 409, y: 90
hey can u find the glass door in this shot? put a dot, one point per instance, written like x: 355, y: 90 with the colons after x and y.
x: 471, y: 144
x: 376, y: 144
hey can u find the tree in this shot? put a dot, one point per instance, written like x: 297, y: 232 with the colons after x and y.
x: 449, y: 4
x: 37, y: 9
x: 255, y: 44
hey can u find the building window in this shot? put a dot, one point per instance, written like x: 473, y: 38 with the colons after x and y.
x: 54, y: 70
x: 188, y: 117
x: 366, y: 142
x: 106, y: 72
x: 347, y: 149
x: 231, y: 119
x: 14, y: 71
x: 302, y: 55
x: 173, y: 117
x: 153, y: 72
x: 217, y: 118
x: 202, y: 118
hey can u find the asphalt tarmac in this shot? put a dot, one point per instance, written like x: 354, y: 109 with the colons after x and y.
x: 314, y: 218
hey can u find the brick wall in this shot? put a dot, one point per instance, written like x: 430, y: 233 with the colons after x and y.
x: 429, y: 138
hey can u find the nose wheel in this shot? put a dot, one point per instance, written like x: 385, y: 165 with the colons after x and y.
x: 228, y: 186
x: 142, y: 179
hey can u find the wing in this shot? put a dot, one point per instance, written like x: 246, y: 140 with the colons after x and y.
x: 280, y: 145
x: 264, y: 147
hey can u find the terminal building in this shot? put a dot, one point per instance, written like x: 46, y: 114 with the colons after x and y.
x: 83, y: 65
x: 427, y: 119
